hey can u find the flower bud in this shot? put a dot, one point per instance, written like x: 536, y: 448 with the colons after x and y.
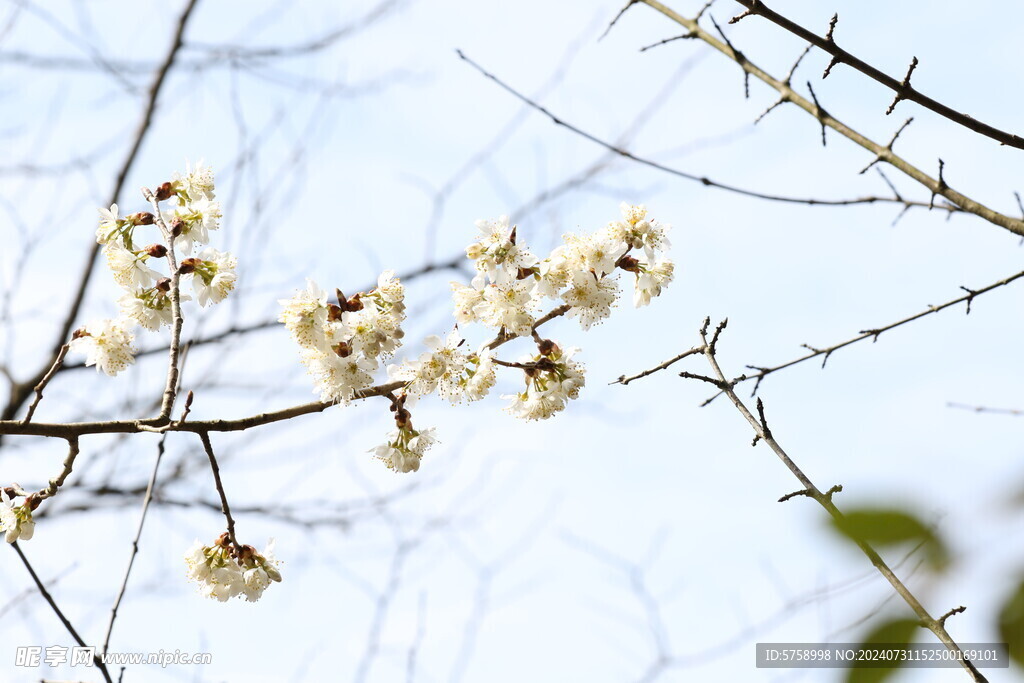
x: 176, y: 226
x: 163, y: 284
x: 156, y: 250
x: 141, y: 218
x: 33, y: 501
x: 403, y: 418
x: 188, y: 265
x: 333, y: 312
x: 343, y: 349
x: 223, y: 540
x: 547, y: 347
x: 628, y: 263
x: 164, y: 192
x: 353, y: 304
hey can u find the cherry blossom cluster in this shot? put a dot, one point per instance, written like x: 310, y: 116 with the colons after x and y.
x: 147, y: 299
x: 341, y: 343
x: 225, y: 570
x: 16, y: 521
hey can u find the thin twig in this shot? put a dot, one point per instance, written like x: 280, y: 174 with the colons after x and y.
x: 69, y: 462
x: 224, y: 507
x: 827, y: 351
x: 57, y: 362
x: 685, y: 354
x: 985, y: 409
x: 703, y: 180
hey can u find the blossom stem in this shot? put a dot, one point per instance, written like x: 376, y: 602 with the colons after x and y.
x: 225, y: 508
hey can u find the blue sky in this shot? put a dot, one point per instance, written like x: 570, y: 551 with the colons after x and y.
x: 533, y: 551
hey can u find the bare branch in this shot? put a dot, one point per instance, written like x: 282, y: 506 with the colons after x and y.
x: 703, y: 180
x: 760, y: 427
x: 903, y: 89
x: 934, y: 185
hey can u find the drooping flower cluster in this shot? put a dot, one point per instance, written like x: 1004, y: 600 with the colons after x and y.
x: 16, y: 520
x: 147, y: 298
x: 552, y: 380
x: 342, y: 344
x: 507, y: 295
x: 224, y: 570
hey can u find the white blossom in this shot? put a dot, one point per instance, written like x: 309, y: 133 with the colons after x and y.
x: 305, y: 316
x: 214, y: 276
x: 481, y: 378
x: 639, y: 232
x: 337, y: 378
x: 222, y: 574
x: 508, y: 306
x: 110, y: 224
x: 218, y: 574
x: 15, y: 520
x: 555, y: 380
x: 197, y: 183
x: 107, y: 344
x: 197, y: 218
x: 260, y: 570
x: 129, y: 267
x: 496, y: 254
x: 651, y: 280
x: 404, y: 448
x: 150, y: 308
x: 468, y: 299
x: 591, y: 298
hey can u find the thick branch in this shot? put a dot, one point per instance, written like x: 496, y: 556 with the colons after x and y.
x: 935, y: 185
x: 903, y: 89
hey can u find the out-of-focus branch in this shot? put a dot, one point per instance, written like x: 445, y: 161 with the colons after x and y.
x: 903, y: 89
x: 1016, y: 412
x: 937, y: 186
x: 21, y: 390
x: 135, y: 542
x: 56, y: 610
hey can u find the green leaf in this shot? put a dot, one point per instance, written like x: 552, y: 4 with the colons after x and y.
x: 890, y: 526
x: 1011, y: 624
x: 896, y: 633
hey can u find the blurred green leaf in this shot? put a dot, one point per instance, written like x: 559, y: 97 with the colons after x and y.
x: 893, y: 633
x: 891, y: 526
x: 1011, y: 624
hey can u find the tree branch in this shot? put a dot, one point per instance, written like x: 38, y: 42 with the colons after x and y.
x: 903, y: 89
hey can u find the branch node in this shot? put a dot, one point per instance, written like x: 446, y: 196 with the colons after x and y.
x: 819, y: 112
x: 904, y: 87
x: 956, y: 610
